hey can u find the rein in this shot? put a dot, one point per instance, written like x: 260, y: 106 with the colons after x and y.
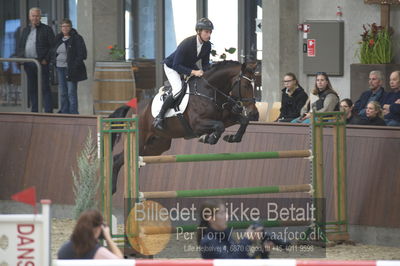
x: 237, y: 101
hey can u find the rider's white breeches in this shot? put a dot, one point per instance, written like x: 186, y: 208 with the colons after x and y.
x: 174, y: 79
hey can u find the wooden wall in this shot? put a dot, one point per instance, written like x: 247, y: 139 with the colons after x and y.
x: 41, y: 150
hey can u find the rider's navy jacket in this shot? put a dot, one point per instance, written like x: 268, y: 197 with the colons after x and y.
x: 184, y: 59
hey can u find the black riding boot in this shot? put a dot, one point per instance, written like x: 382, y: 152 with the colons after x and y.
x: 158, y: 122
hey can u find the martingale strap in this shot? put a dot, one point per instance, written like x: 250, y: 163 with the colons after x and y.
x: 189, y: 133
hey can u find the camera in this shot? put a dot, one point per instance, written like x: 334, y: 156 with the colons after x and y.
x: 261, y: 252
x: 101, y: 237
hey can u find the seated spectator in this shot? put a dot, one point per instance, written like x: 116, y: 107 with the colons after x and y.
x: 84, y: 241
x: 219, y: 245
x: 374, y: 115
x: 391, y: 103
x: 328, y: 99
x: 293, y: 98
x: 346, y: 105
x: 215, y: 238
x: 375, y: 93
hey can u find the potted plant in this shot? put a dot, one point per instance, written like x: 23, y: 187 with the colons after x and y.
x: 375, y: 52
x: 117, y: 54
x: 376, y: 45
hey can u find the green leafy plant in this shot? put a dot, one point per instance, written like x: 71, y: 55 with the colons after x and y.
x: 376, y: 45
x: 223, y: 55
x: 116, y: 53
x: 86, y: 181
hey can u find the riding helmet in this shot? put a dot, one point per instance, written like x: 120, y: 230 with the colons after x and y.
x: 204, y: 24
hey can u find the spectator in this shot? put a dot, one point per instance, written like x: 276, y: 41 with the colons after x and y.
x: 68, y: 54
x: 84, y: 242
x: 374, y: 115
x: 375, y: 93
x: 391, y: 103
x: 328, y: 99
x: 214, y: 237
x: 293, y: 98
x: 346, y: 105
x: 36, y: 41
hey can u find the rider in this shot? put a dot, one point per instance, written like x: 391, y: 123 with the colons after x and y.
x: 183, y: 61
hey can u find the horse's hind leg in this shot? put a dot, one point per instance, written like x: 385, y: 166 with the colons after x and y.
x: 118, y: 162
x: 216, y: 128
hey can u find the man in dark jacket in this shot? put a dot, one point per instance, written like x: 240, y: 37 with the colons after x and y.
x: 391, y: 103
x: 183, y: 62
x: 36, y: 41
x: 375, y: 93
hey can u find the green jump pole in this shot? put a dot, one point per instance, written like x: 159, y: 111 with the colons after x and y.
x: 225, y: 156
x: 226, y: 191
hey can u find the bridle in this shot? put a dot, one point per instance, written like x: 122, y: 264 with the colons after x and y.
x: 240, y: 99
x: 230, y: 99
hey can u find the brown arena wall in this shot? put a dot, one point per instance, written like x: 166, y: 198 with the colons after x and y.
x: 41, y: 150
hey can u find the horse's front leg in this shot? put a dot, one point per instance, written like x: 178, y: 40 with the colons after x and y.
x: 244, y: 122
x: 217, y: 128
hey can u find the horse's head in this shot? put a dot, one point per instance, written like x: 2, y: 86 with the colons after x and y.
x: 243, y: 90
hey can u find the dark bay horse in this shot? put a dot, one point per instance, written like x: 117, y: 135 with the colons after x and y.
x: 224, y: 96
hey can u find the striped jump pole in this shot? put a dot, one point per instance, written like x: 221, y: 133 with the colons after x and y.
x: 225, y: 262
x: 225, y: 191
x: 225, y: 156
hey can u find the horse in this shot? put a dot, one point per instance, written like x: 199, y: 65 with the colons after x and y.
x: 222, y: 97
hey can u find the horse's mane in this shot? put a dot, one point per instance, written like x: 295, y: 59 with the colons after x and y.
x: 221, y: 64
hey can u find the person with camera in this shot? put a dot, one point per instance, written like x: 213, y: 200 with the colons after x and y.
x: 84, y: 241
x: 215, y: 238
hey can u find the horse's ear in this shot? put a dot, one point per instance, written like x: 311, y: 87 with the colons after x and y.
x: 252, y: 65
x: 249, y: 67
x: 244, y: 67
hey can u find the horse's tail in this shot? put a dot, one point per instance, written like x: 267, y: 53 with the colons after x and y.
x: 120, y: 112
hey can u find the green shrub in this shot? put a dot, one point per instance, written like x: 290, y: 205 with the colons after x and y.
x: 86, y: 181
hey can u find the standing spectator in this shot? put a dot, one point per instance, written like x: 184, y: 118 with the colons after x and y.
x: 374, y: 115
x: 84, y: 242
x: 36, y: 41
x: 346, y: 105
x: 375, y: 93
x: 68, y: 53
x: 293, y: 98
x: 328, y: 99
x: 391, y: 103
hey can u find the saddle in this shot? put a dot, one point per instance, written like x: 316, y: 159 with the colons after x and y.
x: 166, y: 90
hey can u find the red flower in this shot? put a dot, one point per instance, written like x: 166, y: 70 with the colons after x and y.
x: 371, y: 42
x: 109, y: 47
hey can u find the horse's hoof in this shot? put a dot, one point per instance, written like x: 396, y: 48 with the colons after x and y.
x: 212, y: 139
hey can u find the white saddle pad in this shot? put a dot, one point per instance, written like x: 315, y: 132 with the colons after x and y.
x: 157, y: 103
